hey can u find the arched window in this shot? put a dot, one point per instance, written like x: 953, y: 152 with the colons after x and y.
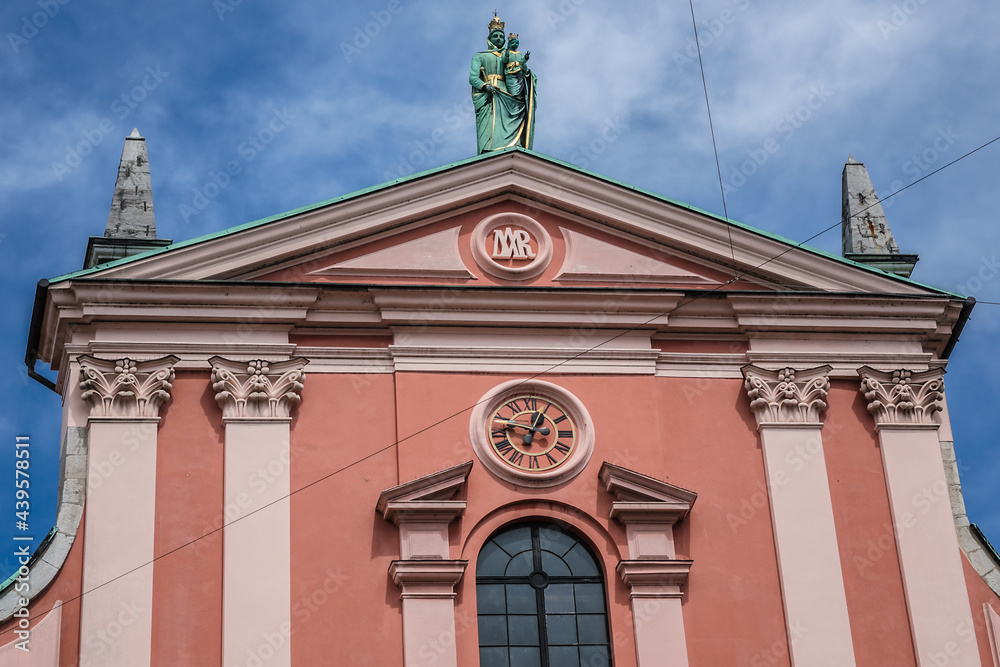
x: 540, y: 600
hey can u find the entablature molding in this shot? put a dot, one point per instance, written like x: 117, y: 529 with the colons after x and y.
x: 257, y: 390
x: 787, y: 395
x: 125, y: 389
x: 902, y: 397
x: 105, y: 317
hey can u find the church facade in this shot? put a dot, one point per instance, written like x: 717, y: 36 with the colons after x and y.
x: 504, y: 413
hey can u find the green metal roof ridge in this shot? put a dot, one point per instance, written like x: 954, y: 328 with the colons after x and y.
x: 741, y: 225
x: 272, y: 218
x: 475, y: 158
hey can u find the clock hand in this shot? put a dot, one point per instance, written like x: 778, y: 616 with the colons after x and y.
x: 536, y: 423
x: 544, y: 430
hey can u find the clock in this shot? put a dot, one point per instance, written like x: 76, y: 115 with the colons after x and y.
x: 532, y: 433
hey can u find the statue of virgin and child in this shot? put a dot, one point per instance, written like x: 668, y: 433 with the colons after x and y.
x: 503, y: 93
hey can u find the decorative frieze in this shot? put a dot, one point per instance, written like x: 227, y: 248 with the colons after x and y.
x: 258, y: 389
x: 902, y: 396
x: 787, y: 396
x: 125, y: 388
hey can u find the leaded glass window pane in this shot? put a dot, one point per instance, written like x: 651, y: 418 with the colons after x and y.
x: 538, y: 571
x: 559, y: 599
x: 491, y: 599
x: 554, y: 566
x: 493, y: 657
x: 593, y: 656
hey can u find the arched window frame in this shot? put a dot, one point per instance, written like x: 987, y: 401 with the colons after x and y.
x: 560, y: 641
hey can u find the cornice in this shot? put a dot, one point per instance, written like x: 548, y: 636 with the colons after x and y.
x: 839, y: 313
x: 124, y: 389
x: 257, y: 390
x: 428, y: 498
x: 902, y: 397
x: 628, y: 486
x: 787, y: 396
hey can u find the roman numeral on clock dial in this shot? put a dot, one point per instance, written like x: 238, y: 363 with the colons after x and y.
x: 531, y: 434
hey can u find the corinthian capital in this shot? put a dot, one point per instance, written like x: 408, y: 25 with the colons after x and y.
x: 125, y: 388
x: 787, y: 396
x: 257, y: 389
x: 902, y: 396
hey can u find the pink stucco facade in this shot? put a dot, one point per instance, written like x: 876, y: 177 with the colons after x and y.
x: 292, y: 477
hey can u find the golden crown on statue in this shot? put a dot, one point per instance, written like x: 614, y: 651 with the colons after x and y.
x: 496, y: 24
x: 511, y: 36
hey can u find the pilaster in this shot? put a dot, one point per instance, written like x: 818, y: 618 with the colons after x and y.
x: 903, y: 404
x: 125, y: 397
x: 423, y: 509
x: 256, y: 398
x: 649, y: 508
x: 788, y: 405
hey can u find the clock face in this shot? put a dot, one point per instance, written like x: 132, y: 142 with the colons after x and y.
x: 531, y: 433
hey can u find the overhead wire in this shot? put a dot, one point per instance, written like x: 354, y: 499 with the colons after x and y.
x: 711, y: 127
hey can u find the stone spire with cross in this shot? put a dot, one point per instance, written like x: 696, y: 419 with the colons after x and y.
x: 866, y: 235
x: 131, y: 227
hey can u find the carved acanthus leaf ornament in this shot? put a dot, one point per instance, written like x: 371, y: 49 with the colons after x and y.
x: 902, y: 396
x: 125, y: 388
x: 787, y: 395
x: 257, y: 389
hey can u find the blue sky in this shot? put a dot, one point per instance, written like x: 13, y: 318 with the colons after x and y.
x: 370, y: 91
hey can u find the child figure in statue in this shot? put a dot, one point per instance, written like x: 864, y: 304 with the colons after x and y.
x: 515, y: 65
x: 503, y: 93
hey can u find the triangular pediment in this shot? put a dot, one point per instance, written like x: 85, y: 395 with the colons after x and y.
x: 481, y: 246
x: 641, y: 498
x: 418, y: 231
x: 432, y: 256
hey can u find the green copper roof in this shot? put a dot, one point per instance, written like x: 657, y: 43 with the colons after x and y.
x: 460, y: 163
